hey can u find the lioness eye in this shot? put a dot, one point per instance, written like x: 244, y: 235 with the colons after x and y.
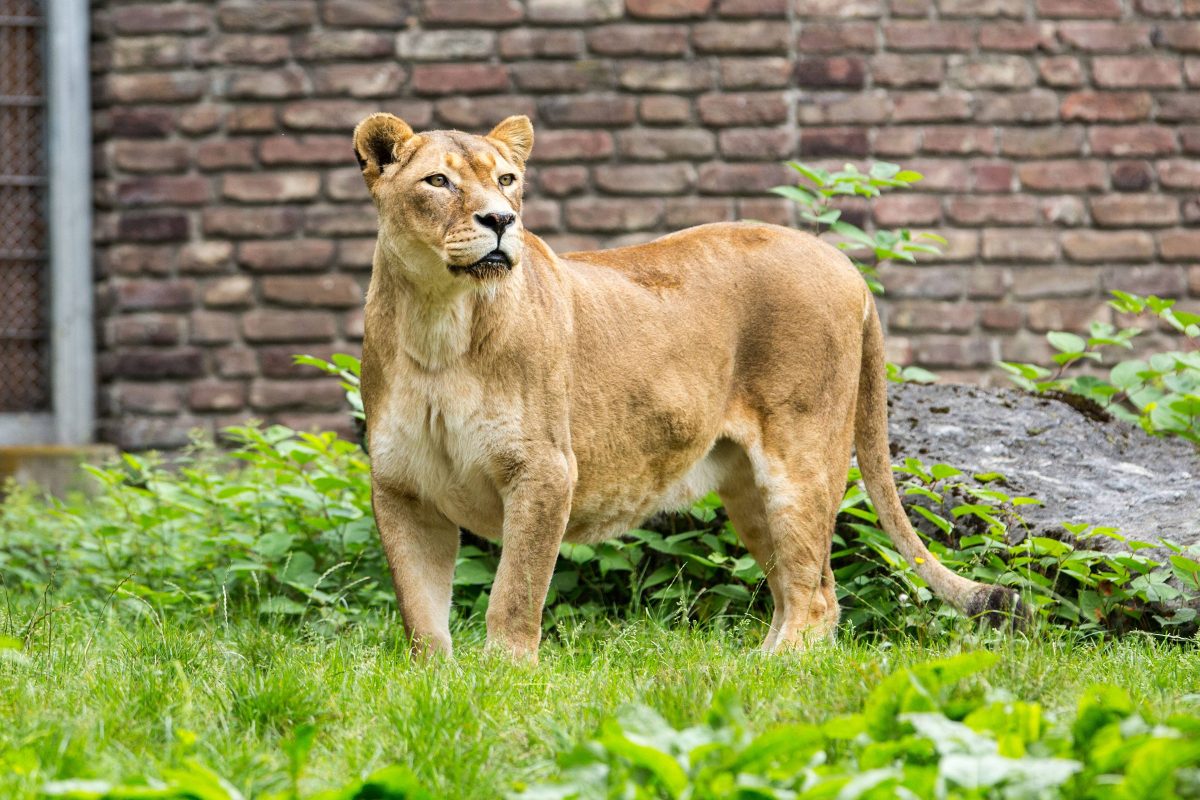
x: 437, y: 180
x: 506, y: 180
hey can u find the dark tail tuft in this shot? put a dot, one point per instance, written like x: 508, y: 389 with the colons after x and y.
x: 999, y: 606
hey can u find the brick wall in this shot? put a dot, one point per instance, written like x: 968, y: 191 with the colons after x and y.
x: 1059, y: 138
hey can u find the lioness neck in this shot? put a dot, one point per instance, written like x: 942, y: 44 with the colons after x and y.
x: 436, y: 328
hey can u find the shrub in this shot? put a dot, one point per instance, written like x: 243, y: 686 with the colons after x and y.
x: 919, y: 735
x: 1161, y: 393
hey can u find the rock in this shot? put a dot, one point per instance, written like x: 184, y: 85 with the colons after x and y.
x: 1085, y: 466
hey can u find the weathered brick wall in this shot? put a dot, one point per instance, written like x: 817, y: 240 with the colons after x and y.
x: 1060, y: 140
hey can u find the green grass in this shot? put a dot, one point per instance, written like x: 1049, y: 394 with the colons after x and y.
x: 113, y: 697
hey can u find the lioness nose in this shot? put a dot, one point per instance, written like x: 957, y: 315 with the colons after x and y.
x: 496, y: 221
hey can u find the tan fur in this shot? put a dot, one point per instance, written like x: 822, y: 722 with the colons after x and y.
x: 573, y: 396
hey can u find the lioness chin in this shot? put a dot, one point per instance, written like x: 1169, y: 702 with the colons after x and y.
x: 532, y: 398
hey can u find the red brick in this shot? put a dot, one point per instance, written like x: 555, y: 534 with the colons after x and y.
x: 200, y: 119
x: 1179, y: 245
x: 325, y: 115
x: 1070, y: 315
x: 651, y: 179
x: 953, y: 351
x: 359, y: 80
x: 902, y: 210
x: 473, y: 12
x: 183, y: 190
x: 1158, y: 8
x: 721, y: 110
x: 146, y: 398
x: 224, y: 153
x: 1108, y: 246
x: 1019, y: 37
x: 732, y: 179
x: 245, y: 223
x: 318, y: 394
x: 235, y: 362
x: 930, y: 315
x: 481, y: 112
x: 346, y: 184
x: 1063, y: 176
x: 240, y: 48
x: 775, y: 211
x: 211, y: 327
x: 992, y: 176
x: 285, y: 149
x: 940, y: 174
x: 959, y: 139
x: 992, y: 72
x: 823, y: 37
x: 363, y: 13
x: 932, y: 106
x: 1041, y: 142
x: 1035, y: 105
x: 665, y: 144
x: 752, y: 8
x: 319, y: 291
x: 912, y: 35
x: 852, y: 108
x: 1023, y: 246
x: 759, y: 36
x: 755, y: 73
x: 162, y: 18
x: 152, y: 226
x: 140, y: 122
x: 448, y: 45
x: 1000, y: 317
x: 1128, y: 72
x: 1013, y: 210
x: 340, y: 220
x: 286, y: 256
x: 606, y: 110
x: 562, y: 181
x: 930, y: 283
x: 684, y: 212
x: 668, y: 9
x: 842, y: 142
x: 839, y: 8
x: 267, y: 15
x: 151, y: 329
x: 270, y: 187
x: 264, y: 325
x: 910, y: 8
x: 1083, y: 9
x: 272, y: 84
x: 158, y: 363
x: 1106, y: 106
x: 214, y: 395
x: 1105, y: 37
x: 638, y: 40
x: 338, y: 45
x: 149, y: 51
x: 136, y: 259
x: 1132, y: 140
x: 569, y: 145
x: 661, y: 76
x: 252, y: 119
x: 205, y: 257
x: 540, y: 43
x: 229, y: 291
x: 1181, y: 36
x: 664, y: 110
x: 1061, y: 71
x: 982, y: 8
x: 1134, y: 210
x: 1178, y: 173
x: 832, y: 72
x: 156, y: 87
x: 891, y: 69
x: 358, y: 254
x: 614, y: 215
x: 1178, y: 106
x: 1132, y: 176
x: 756, y: 144
x: 1164, y: 281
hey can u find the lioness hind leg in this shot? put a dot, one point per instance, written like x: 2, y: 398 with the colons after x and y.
x: 800, y: 499
x: 744, y: 504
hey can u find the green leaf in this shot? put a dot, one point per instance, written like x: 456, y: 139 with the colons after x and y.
x: 1066, y: 342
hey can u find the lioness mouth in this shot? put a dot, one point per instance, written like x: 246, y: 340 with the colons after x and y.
x: 494, y: 263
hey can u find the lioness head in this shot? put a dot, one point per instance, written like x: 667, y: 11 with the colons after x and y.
x: 449, y: 202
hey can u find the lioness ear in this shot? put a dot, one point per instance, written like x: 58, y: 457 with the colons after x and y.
x: 376, y: 140
x: 516, y: 133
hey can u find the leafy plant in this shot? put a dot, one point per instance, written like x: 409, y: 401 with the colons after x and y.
x: 817, y: 192
x: 1161, y: 393
x: 920, y: 734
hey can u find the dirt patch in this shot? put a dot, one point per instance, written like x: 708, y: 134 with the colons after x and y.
x: 1082, y: 463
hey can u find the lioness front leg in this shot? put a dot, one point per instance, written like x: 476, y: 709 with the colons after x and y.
x: 421, y: 546
x: 536, y: 506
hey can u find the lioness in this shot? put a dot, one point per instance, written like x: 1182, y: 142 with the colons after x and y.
x: 532, y: 398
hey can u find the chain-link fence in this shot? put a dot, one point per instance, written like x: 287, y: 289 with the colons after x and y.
x: 24, y: 294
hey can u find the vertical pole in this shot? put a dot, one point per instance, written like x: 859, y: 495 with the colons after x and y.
x: 68, y: 156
